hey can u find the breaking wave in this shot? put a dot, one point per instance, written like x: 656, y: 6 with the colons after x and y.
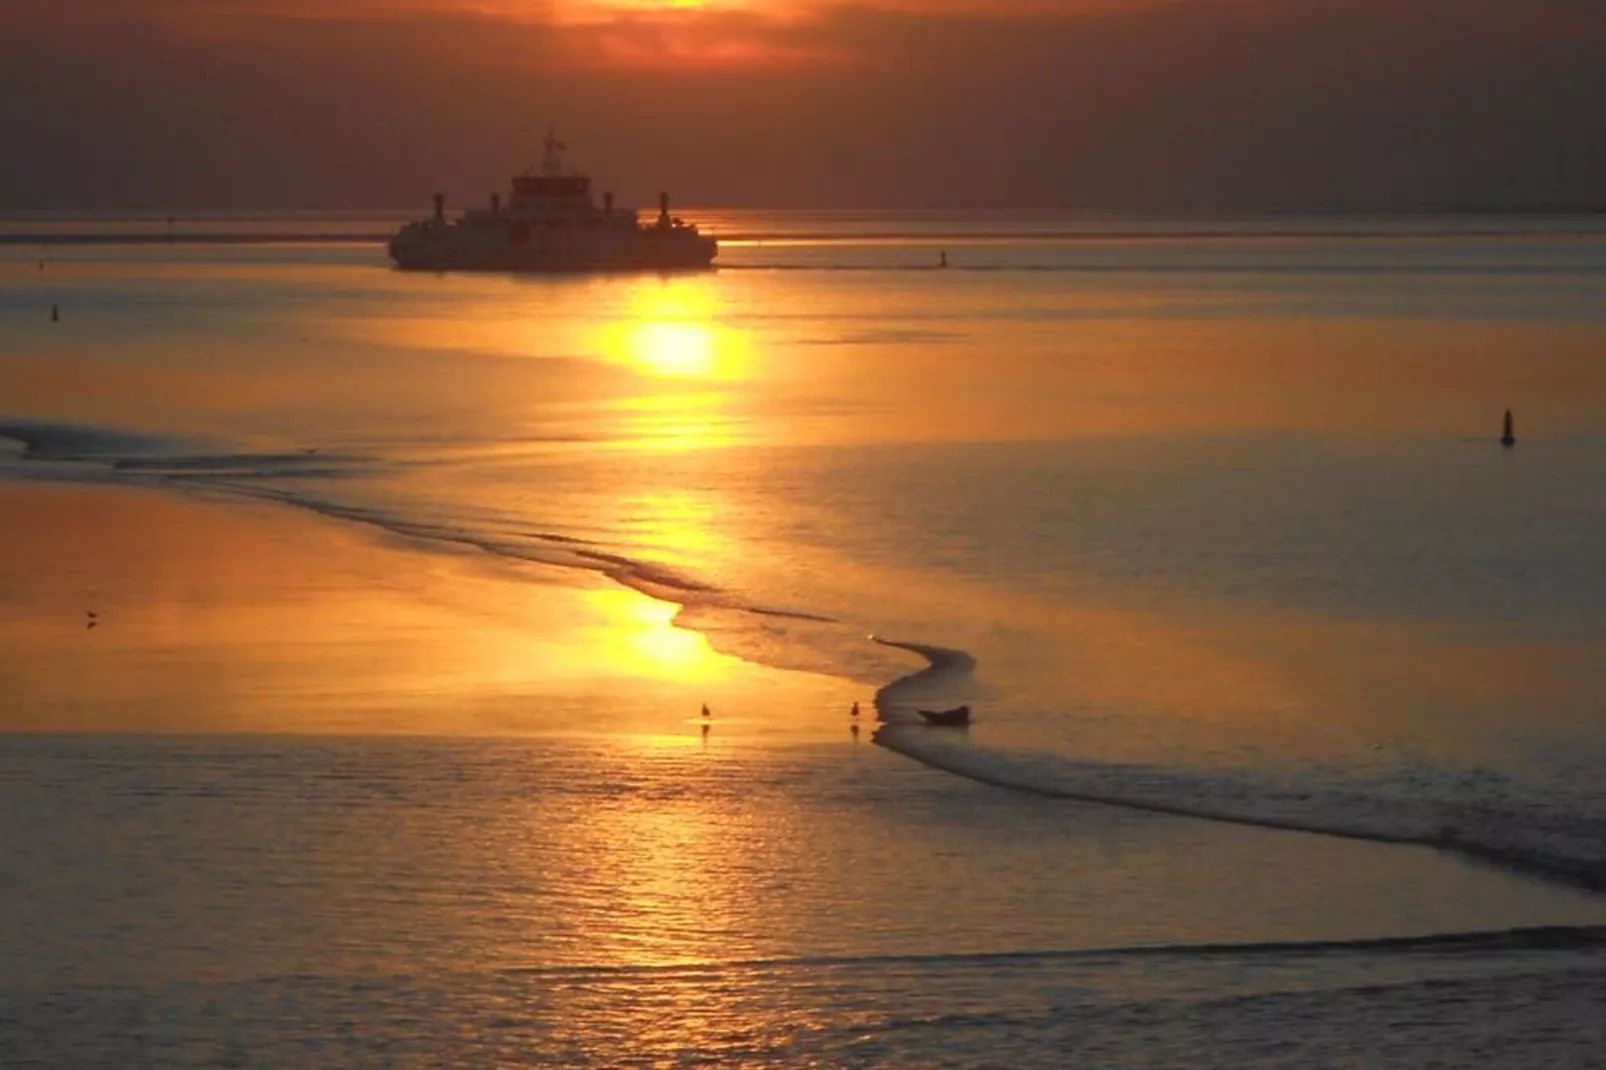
x: 1558, y: 938
x: 1560, y: 847
x: 1551, y: 843
x: 78, y: 451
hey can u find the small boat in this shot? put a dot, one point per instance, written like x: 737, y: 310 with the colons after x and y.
x: 959, y: 715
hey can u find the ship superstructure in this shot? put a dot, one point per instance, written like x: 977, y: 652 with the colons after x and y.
x: 551, y: 223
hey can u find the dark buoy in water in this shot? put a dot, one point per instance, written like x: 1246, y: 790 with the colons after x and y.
x: 854, y: 713
x: 1508, y: 433
x: 55, y: 313
x: 942, y: 259
x: 705, y: 710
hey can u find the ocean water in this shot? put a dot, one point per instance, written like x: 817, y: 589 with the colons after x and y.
x: 1288, y: 678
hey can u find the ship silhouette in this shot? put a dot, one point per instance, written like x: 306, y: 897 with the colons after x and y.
x: 551, y: 223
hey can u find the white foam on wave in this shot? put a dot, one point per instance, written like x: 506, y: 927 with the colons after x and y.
x: 1567, y: 848
x: 786, y: 638
x: 945, y: 678
x: 1557, y: 845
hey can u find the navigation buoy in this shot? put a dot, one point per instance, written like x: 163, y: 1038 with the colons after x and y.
x: 705, y: 710
x: 1508, y: 434
x: 942, y: 260
x: 55, y: 313
x: 855, y: 711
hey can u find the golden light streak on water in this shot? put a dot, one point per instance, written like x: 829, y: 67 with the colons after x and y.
x: 673, y: 349
x: 672, y: 333
x: 640, y: 639
x: 691, y: 865
x: 685, y: 525
x: 672, y: 328
x: 683, y: 431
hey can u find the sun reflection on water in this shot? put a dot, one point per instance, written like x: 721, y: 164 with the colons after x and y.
x: 686, y: 524
x: 680, y: 422
x: 671, y: 328
x: 686, y: 361
x: 684, y: 349
x: 642, y: 640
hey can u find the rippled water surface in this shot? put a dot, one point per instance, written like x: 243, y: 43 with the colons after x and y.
x: 1288, y: 678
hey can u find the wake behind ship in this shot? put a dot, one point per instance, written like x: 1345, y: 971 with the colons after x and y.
x: 551, y: 223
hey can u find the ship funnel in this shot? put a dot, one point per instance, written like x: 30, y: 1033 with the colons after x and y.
x: 440, y: 206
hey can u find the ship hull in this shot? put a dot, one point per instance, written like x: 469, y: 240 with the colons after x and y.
x: 577, y: 252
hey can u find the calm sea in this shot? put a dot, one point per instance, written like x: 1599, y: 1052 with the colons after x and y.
x: 1289, y: 680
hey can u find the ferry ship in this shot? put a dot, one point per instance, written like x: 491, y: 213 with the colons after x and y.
x: 551, y: 223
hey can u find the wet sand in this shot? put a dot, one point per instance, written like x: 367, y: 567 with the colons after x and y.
x: 228, y: 616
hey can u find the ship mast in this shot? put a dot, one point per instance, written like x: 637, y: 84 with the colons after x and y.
x: 552, y: 160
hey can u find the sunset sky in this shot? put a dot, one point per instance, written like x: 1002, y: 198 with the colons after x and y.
x: 1201, y: 105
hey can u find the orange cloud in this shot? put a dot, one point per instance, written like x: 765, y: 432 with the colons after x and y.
x: 692, y: 38
x: 216, y: 14
x: 662, y: 45
x: 632, y: 34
